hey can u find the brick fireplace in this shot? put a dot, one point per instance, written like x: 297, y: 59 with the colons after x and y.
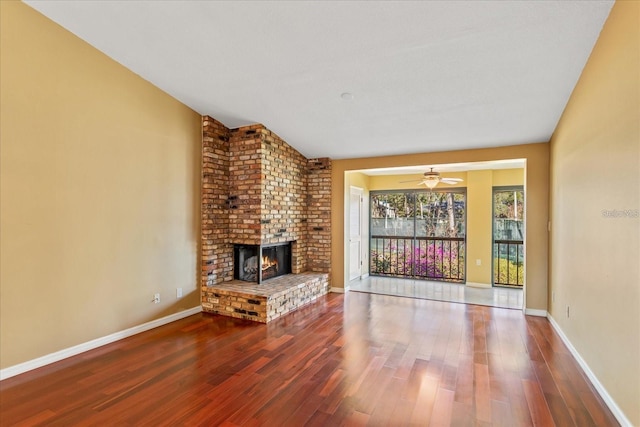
x: 256, y: 263
x: 258, y: 191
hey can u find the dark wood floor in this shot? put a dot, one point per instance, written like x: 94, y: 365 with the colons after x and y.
x: 359, y: 359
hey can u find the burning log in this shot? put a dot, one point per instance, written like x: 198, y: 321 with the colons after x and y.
x: 251, y: 264
x: 268, y: 263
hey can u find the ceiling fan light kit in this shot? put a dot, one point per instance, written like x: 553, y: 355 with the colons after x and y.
x: 431, y: 182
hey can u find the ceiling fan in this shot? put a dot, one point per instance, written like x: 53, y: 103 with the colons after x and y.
x: 431, y: 178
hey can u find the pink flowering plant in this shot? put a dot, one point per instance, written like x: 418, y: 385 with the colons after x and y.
x: 432, y: 259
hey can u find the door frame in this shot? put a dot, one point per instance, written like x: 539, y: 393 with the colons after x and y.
x: 360, y: 191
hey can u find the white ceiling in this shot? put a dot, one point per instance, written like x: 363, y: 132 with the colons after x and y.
x: 425, y: 76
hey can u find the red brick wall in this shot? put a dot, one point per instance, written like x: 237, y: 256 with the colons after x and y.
x: 284, y: 203
x: 319, y: 215
x: 216, y: 250
x: 245, y: 187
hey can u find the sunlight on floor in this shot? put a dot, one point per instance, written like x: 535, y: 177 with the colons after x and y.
x: 440, y: 291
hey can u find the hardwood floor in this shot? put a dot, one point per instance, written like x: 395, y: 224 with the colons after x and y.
x: 355, y: 359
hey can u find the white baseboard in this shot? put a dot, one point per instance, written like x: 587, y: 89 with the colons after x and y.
x: 364, y: 276
x: 479, y: 285
x: 608, y: 400
x: 535, y: 312
x: 29, y: 365
x: 338, y: 290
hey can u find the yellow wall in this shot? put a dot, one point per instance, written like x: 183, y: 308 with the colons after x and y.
x: 395, y: 182
x: 361, y: 180
x: 595, y: 164
x: 508, y: 177
x: 536, y: 176
x: 479, y: 187
x: 99, y: 192
x: 479, y: 227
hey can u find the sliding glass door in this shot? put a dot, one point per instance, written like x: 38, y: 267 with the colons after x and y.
x: 508, y: 236
x: 418, y: 234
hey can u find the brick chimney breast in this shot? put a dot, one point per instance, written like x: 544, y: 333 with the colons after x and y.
x: 258, y: 190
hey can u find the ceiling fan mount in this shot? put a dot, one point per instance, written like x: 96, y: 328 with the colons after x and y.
x: 431, y: 174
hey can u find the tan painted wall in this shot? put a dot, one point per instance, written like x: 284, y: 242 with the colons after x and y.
x: 99, y: 192
x: 537, y: 192
x: 595, y: 164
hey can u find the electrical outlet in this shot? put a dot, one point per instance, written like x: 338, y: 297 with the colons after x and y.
x: 178, y: 292
x: 156, y: 298
x: 478, y: 262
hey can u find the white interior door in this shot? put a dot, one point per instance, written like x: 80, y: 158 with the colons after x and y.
x: 355, y: 233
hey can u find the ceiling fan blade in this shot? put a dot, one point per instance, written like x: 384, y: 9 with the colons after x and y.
x: 451, y: 180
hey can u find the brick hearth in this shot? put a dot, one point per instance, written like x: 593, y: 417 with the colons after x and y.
x: 268, y: 301
x: 257, y: 189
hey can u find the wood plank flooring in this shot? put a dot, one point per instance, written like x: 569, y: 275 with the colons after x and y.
x: 356, y: 359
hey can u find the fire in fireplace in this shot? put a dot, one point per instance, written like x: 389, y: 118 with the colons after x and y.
x: 255, y: 263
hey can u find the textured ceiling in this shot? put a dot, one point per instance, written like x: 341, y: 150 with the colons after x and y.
x: 425, y: 76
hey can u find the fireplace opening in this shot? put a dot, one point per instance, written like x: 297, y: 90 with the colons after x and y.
x: 255, y: 263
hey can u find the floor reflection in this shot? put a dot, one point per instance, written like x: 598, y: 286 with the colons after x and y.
x: 440, y: 291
